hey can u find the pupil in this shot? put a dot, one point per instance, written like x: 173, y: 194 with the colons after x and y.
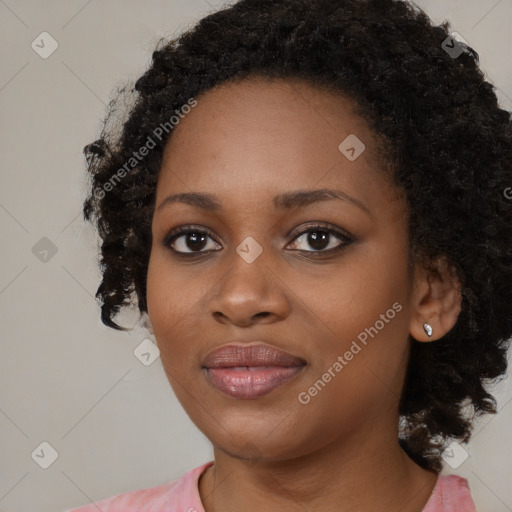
x: 318, y: 241
x: 194, y: 237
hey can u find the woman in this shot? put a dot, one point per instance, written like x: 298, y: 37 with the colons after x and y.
x: 307, y: 203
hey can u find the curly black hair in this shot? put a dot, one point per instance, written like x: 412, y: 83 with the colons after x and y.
x: 449, y: 143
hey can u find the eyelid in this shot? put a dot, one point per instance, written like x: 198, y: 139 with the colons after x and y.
x: 324, y: 226
x: 183, y: 230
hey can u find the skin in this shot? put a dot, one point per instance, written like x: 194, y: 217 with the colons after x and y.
x: 247, y: 142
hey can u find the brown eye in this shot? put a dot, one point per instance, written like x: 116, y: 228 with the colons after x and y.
x: 320, y: 239
x: 188, y: 241
x: 192, y: 241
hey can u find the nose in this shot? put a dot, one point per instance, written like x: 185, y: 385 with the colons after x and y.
x: 249, y: 293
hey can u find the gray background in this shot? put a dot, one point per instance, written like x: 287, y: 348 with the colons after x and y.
x: 64, y: 377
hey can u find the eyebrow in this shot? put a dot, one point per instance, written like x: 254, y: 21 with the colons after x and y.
x: 284, y: 201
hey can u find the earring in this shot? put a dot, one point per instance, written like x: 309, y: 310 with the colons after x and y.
x: 428, y: 331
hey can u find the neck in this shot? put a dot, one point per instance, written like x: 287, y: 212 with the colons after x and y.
x: 354, y: 473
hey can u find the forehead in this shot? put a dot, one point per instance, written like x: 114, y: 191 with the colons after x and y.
x: 263, y: 134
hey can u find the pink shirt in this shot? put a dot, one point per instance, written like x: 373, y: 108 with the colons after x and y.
x: 450, y: 494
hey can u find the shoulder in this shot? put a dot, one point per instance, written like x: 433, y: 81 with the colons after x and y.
x: 182, y: 492
x: 450, y: 494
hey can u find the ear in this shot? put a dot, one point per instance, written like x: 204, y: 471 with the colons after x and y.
x: 435, y: 299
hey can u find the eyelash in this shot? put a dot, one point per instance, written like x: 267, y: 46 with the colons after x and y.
x: 345, y: 238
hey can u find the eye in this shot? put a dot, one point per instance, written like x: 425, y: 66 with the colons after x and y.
x: 189, y: 237
x: 192, y: 241
x: 319, y: 237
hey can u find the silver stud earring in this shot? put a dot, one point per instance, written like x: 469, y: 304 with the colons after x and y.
x: 428, y: 331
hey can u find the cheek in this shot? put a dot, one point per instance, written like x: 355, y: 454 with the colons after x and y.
x: 359, y: 340
x: 360, y: 313
x: 177, y: 301
x: 167, y: 302
x: 347, y: 298
x: 172, y: 294
x: 168, y: 307
x: 357, y: 375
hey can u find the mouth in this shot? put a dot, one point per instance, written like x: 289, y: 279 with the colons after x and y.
x: 251, y: 382
x: 250, y: 371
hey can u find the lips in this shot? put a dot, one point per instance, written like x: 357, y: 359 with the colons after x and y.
x: 250, y: 371
x: 232, y: 356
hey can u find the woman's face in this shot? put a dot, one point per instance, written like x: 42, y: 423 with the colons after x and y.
x: 340, y: 303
